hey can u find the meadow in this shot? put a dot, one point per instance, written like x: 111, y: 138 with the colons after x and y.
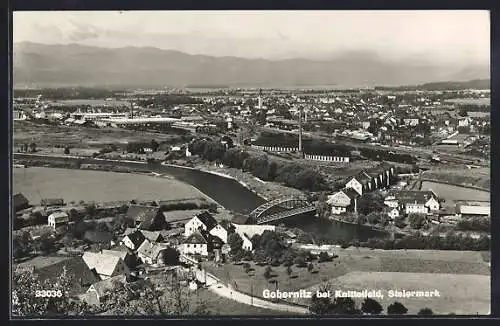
x: 453, y: 273
x: 75, y: 185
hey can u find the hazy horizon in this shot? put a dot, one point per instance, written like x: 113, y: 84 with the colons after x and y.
x: 421, y: 36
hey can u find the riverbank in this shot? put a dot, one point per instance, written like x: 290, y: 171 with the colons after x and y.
x: 266, y: 190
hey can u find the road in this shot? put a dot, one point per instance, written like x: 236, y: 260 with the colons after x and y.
x: 224, y: 291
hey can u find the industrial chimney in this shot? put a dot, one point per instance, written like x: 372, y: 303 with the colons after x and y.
x: 300, y: 131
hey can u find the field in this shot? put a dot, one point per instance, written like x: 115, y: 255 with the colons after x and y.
x: 455, y: 193
x: 80, y: 137
x: 459, y: 294
x: 467, y: 177
x: 98, y: 186
x: 111, y: 103
x: 441, y: 270
x: 471, y: 101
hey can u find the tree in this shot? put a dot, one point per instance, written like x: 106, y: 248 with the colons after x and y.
x: 235, y: 242
x: 396, y: 308
x: 371, y: 306
x: 102, y: 227
x: 417, y: 220
x: 322, y: 208
x: 91, y: 210
x: 345, y: 306
x: 170, y: 256
x: 324, y: 256
x: 66, y: 150
x: 25, y: 285
x: 45, y: 244
x: 33, y: 147
x: 463, y: 112
x: 310, y: 267
x: 321, y: 306
x: 370, y: 202
x: 289, y: 270
x: 267, y: 272
x: 300, y: 261
x: 426, y: 312
x: 154, y: 145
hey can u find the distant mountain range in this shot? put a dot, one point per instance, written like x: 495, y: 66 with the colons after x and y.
x: 445, y: 85
x: 40, y: 65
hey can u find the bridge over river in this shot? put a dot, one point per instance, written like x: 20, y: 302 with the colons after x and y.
x: 281, y: 208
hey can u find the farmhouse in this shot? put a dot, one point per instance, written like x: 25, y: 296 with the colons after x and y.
x: 147, y: 218
x: 152, y: 236
x: 149, y: 252
x: 196, y: 243
x: 76, y: 267
x: 105, y: 265
x: 413, y: 201
x: 98, y: 291
x: 220, y: 232
x: 204, y: 221
x: 133, y: 240
x: 343, y: 201
x: 123, y: 253
x: 360, y: 183
x: 57, y: 219
x: 201, y: 242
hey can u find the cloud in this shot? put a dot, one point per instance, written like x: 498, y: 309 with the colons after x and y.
x: 84, y: 32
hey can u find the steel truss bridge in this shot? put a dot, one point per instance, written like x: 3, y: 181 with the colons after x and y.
x: 289, y: 207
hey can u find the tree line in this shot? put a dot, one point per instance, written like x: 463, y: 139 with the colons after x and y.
x: 290, y: 174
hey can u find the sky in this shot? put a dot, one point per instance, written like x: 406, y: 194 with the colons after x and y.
x: 444, y: 36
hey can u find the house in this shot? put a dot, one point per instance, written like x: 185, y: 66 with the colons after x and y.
x: 19, y: 202
x: 220, y: 232
x: 133, y: 240
x: 343, y: 201
x: 48, y: 202
x: 290, y: 237
x: 465, y: 122
x: 152, y: 236
x: 393, y: 213
x: 57, y: 219
x: 83, y: 276
x: 360, y: 183
x: 96, y: 236
x: 147, y: 218
x: 201, y: 242
x: 149, y: 252
x: 196, y: 243
x: 124, y: 253
x: 204, y: 221
x: 247, y: 243
x: 97, y: 292
x: 415, y: 208
x: 414, y: 199
x: 105, y: 265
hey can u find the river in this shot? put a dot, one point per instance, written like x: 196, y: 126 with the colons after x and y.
x: 235, y: 197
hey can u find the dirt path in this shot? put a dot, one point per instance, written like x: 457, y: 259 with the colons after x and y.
x: 224, y: 291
